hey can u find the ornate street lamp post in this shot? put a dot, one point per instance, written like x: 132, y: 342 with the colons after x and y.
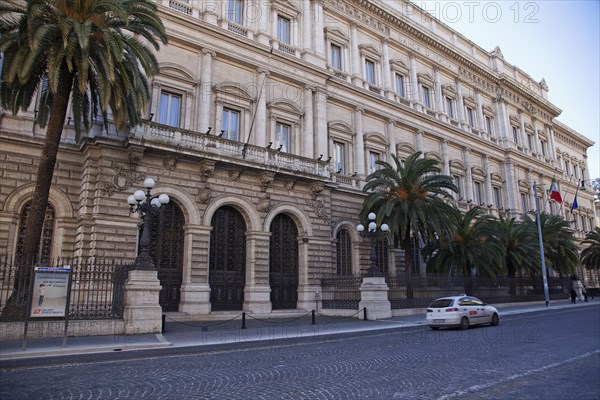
x: 146, y: 205
x: 373, y: 233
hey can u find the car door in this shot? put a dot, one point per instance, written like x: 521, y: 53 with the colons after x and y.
x: 481, y: 313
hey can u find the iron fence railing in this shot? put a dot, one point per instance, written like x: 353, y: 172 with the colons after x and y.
x: 96, y: 291
x: 341, y: 291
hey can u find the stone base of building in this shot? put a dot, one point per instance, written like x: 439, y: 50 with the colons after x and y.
x: 142, y: 313
x: 257, y: 299
x: 195, y: 299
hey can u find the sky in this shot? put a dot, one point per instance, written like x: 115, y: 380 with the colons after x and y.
x: 556, y: 40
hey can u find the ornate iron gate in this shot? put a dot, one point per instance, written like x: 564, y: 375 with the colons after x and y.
x: 283, y: 263
x: 227, y: 262
x: 166, y: 250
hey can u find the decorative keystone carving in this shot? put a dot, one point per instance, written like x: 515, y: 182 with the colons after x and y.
x: 316, y: 189
x: 289, y: 184
x: 235, y: 174
x: 170, y: 164
x: 206, y: 169
x: 266, y: 178
x: 123, y: 178
x: 264, y: 204
x: 204, y: 194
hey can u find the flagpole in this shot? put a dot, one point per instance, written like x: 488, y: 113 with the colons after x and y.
x: 539, y: 226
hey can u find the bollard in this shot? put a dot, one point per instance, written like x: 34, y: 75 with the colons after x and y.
x: 365, y: 313
x: 164, y: 324
x: 243, y: 320
x: 313, y: 317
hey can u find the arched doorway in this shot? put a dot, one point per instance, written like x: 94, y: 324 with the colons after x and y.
x: 283, y: 263
x: 44, y: 254
x: 166, y: 250
x: 227, y: 262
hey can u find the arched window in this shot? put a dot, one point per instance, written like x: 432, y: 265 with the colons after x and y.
x: 44, y: 254
x: 344, y: 253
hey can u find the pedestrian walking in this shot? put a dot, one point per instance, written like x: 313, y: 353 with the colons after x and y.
x: 585, y: 294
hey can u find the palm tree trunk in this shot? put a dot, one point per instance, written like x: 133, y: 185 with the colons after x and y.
x: 39, y: 202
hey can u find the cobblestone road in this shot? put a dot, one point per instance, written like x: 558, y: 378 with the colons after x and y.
x: 549, y: 355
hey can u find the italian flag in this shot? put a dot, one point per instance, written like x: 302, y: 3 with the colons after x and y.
x: 554, y: 193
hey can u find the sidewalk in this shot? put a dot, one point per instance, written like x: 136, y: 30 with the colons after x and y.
x: 212, y: 332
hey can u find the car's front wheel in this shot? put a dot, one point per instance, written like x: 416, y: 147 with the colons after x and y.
x: 464, y: 323
x: 495, y: 320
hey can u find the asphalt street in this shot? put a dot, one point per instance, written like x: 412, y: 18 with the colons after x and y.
x: 550, y: 354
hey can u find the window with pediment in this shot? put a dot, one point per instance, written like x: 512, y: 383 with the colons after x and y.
x: 337, y: 45
x: 426, y: 89
x: 173, y: 90
x: 233, y: 105
x: 401, y: 80
x: 457, y: 170
x: 341, y: 147
x: 285, y: 126
x: 371, y: 66
x: 285, y: 23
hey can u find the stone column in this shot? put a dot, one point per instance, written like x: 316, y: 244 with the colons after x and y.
x: 154, y: 105
x: 414, y: 83
x: 205, y: 97
x: 469, y: 175
x: 262, y: 35
x: 259, y: 134
x: 257, y: 292
x: 439, y: 104
x: 419, y: 142
x: 480, y: 119
x: 356, y: 76
x: 460, y: 105
x: 552, y: 147
x: 319, y: 27
x: 359, y: 146
x: 195, y: 290
x: 446, y: 161
x: 387, y: 79
x: 320, y: 116
x: 536, y: 136
x: 142, y: 313
x: 308, y: 149
x: 374, y: 297
x: 522, y: 130
x: 306, y: 27
x: 488, y: 181
x: 391, y: 134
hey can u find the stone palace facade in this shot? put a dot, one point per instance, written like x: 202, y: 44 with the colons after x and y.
x: 265, y: 119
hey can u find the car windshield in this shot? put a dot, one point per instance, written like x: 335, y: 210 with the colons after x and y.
x: 441, y: 303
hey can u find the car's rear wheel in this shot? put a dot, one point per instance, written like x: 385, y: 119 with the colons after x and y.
x: 464, y: 323
x: 434, y: 328
x: 495, y: 320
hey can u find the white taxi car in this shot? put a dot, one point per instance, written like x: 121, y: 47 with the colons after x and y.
x: 461, y: 312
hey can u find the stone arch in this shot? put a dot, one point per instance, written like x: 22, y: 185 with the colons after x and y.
x: 243, y: 205
x: 296, y: 213
x: 188, y: 205
x: 63, y: 207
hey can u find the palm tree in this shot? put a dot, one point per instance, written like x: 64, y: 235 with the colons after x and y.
x: 590, y: 256
x: 409, y: 196
x: 560, y: 251
x: 470, y: 247
x: 89, y: 51
x: 520, y: 248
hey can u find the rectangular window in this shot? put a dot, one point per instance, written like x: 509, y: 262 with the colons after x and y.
x: 370, y: 71
x: 339, y: 158
x: 169, y: 109
x: 235, y: 10
x: 336, y: 57
x: 543, y: 146
x: 283, y: 29
x: 591, y: 224
x: 400, y: 85
x: 515, y: 132
x: 478, y: 193
x: 524, y: 202
x: 471, y: 117
x: 450, y: 107
x: 489, y: 124
x: 567, y: 167
x: 283, y: 136
x: 583, y: 227
x: 575, y: 171
x: 530, y: 141
x: 426, y: 96
x: 231, y: 124
x: 497, y: 197
x: 576, y: 222
x: 373, y: 158
x: 459, y: 194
